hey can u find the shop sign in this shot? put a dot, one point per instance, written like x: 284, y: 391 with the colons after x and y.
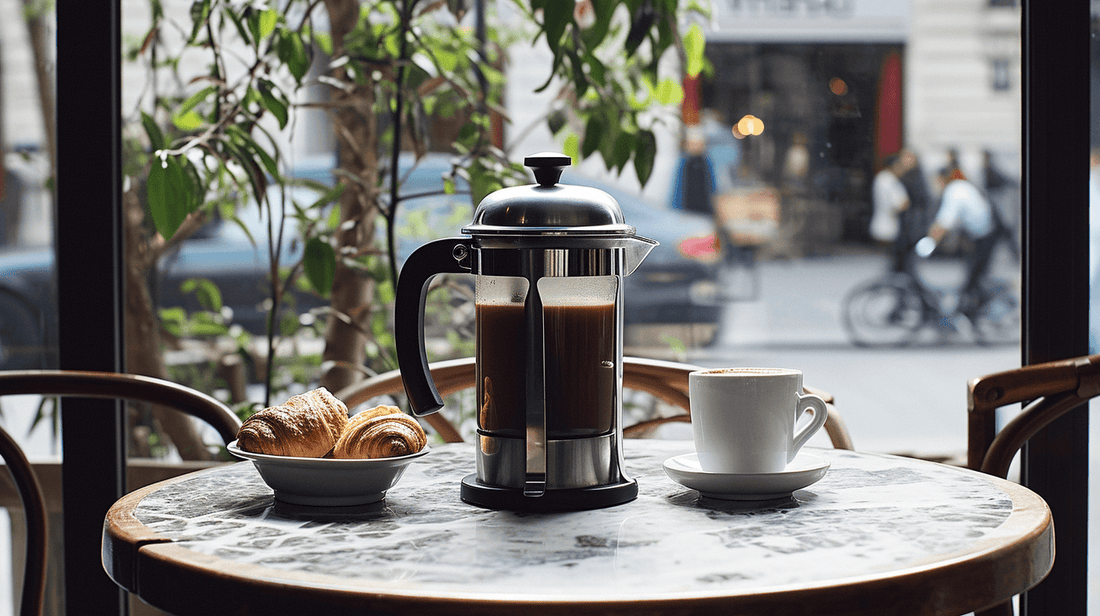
x: 810, y: 21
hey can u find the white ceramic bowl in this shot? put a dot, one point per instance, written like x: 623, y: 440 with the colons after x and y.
x: 328, y: 482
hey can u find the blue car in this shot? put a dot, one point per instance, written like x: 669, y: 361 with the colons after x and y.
x: 674, y: 292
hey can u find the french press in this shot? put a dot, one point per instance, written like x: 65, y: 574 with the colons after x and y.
x: 549, y: 261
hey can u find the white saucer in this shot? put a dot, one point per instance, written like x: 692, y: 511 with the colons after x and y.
x: 804, y: 470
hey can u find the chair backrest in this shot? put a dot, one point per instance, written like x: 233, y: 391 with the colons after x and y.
x: 1049, y: 389
x: 87, y: 385
x: 666, y: 380
x: 33, y: 594
x: 133, y: 387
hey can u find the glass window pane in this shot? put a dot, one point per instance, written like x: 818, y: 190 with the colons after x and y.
x: 28, y: 327
x: 809, y: 277
x: 780, y: 150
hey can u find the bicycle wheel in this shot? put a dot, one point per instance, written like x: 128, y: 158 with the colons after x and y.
x: 883, y: 313
x: 997, y: 320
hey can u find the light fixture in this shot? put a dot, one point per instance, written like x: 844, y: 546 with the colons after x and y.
x: 748, y: 125
x: 838, y: 86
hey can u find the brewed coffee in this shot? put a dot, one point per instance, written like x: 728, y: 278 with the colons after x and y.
x: 579, y: 367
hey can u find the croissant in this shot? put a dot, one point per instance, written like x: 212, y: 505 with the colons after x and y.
x: 381, y: 432
x: 306, y: 425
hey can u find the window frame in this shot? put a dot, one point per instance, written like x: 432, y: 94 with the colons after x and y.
x: 1054, y: 150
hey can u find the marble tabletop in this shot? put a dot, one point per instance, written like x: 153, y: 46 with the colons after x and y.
x: 873, y: 522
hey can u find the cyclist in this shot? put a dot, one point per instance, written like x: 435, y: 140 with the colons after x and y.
x: 963, y: 207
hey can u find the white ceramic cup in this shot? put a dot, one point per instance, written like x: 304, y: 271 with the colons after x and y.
x: 744, y: 419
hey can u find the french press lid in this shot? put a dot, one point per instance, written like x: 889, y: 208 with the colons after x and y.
x: 547, y: 207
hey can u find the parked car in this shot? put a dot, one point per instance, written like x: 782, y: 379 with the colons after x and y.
x: 673, y: 291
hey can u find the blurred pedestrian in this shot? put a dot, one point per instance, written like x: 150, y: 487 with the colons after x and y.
x: 695, y: 184
x: 891, y: 201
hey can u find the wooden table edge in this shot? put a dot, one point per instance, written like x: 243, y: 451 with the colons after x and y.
x: 963, y: 582
x: 124, y: 533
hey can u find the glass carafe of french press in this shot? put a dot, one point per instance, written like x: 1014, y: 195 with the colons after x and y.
x: 549, y: 261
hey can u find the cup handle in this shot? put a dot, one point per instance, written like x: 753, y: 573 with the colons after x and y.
x: 807, y: 402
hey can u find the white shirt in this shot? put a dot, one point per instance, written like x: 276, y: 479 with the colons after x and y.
x: 963, y: 206
x: 889, y: 197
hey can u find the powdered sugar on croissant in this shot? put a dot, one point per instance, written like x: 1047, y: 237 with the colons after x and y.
x: 306, y: 425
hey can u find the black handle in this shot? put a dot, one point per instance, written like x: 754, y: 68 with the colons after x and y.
x: 446, y: 256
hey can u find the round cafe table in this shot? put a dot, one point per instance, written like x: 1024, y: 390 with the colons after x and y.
x: 877, y: 535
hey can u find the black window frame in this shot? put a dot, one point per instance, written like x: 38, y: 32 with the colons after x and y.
x: 1055, y: 150
x: 88, y: 245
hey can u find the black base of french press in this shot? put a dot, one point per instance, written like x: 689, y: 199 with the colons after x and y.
x: 573, y: 499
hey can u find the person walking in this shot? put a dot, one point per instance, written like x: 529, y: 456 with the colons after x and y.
x: 890, y: 222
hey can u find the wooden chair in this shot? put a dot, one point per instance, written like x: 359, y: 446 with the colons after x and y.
x: 33, y: 595
x: 666, y: 380
x: 86, y: 385
x: 1048, y: 390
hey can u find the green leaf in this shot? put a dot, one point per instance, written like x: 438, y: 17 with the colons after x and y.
x: 206, y: 324
x: 172, y: 194
x: 256, y: 176
x: 319, y: 261
x: 446, y: 58
x: 623, y: 150
x: 261, y: 23
x: 645, y: 153
x: 323, y: 42
x: 248, y: 144
x: 694, y: 45
x: 156, y: 137
x: 274, y: 102
x: 200, y: 12
x: 597, y: 72
x: 185, y: 118
x: 593, y: 135
x: 206, y: 292
x: 292, y: 51
x: 196, y: 98
x: 172, y: 319
x: 238, y: 22
x: 188, y: 122
x: 267, y: 20
x: 669, y: 92
x: 556, y: 16
x: 556, y: 120
x: 594, y: 35
x: 580, y: 79
x: 571, y: 146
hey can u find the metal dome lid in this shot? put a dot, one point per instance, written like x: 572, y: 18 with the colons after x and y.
x: 549, y: 208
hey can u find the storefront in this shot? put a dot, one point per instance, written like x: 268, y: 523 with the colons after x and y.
x: 825, y: 76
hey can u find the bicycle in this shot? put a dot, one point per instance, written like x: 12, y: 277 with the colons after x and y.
x: 896, y: 309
